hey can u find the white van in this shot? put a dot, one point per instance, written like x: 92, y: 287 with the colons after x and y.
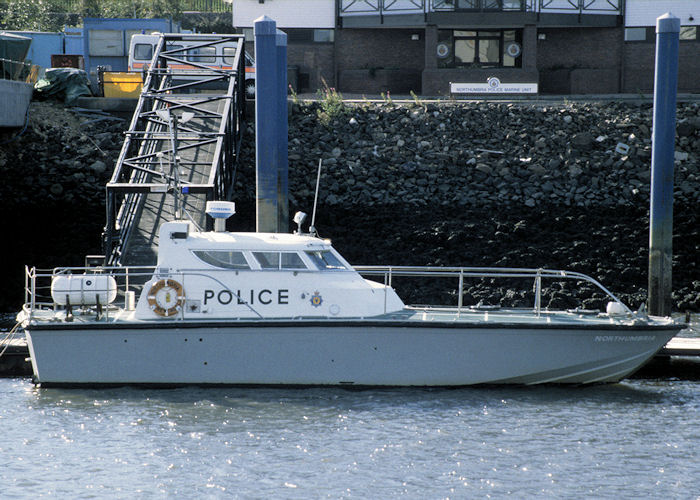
x: 142, y: 46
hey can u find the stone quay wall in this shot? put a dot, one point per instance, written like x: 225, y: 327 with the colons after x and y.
x: 563, y: 186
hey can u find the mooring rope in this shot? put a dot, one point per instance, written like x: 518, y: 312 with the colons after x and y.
x: 8, y: 338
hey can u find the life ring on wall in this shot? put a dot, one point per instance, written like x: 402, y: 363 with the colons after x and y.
x: 443, y: 50
x: 514, y: 49
x: 166, y: 297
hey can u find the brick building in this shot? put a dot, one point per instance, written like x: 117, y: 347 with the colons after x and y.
x: 565, y: 46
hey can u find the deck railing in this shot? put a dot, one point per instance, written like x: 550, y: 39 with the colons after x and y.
x: 37, y: 284
x: 461, y: 273
x: 131, y: 279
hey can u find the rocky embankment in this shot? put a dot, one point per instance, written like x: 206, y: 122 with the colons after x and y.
x: 489, y: 184
x: 478, y: 155
x: 52, y: 194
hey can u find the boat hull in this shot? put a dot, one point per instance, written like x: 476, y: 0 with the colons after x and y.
x: 349, y: 354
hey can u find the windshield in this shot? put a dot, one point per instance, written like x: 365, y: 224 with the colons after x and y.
x: 325, y: 260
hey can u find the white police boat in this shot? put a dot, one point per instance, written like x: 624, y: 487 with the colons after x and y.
x: 287, y: 309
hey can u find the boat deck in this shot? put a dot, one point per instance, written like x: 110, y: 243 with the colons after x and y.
x: 411, y: 317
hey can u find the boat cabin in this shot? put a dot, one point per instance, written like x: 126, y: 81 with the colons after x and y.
x: 208, y: 275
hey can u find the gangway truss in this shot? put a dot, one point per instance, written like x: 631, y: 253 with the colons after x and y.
x: 182, y: 145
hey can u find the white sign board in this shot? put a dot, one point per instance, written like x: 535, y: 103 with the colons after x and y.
x: 493, y: 86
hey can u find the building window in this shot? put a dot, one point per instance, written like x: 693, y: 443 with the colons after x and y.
x: 308, y: 35
x: 479, y: 49
x: 324, y: 35
x: 689, y: 33
x: 648, y: 34
x: 635, y: 34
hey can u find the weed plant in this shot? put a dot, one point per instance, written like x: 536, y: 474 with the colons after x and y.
x: 331, y: 105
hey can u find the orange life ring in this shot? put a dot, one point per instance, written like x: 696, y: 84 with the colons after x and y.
x: 166, y: 297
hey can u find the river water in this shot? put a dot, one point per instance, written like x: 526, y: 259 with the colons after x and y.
x: 638, y: 438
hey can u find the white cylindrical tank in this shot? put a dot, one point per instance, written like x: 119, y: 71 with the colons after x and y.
x: 83, y: 289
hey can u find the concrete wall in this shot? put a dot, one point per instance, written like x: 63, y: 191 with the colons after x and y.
x: 580, y: 60
x: 314, y: 62
x: 645, y: 12
x: 398, y: 81
x: 14, y: 101
x: 286, y: 13
x: 638, y: 66
x: 380, y: 60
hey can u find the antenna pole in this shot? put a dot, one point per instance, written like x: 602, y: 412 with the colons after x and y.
x: 312, y: 229
x: 175, y: 166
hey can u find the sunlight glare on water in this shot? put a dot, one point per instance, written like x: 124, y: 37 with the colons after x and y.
x: 637, y: 438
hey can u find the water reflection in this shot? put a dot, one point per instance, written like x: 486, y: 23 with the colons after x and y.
x: 252, y: 400
x: 630, y: 439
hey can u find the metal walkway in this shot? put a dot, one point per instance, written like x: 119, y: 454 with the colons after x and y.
x: 182, y: 145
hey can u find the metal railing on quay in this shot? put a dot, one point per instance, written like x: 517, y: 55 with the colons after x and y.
x: 381, y: 7
x: 581, y: 6
x: 351, y: 7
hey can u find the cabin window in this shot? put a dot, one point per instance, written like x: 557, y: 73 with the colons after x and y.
x: 291, y: 261
x: 279, y: 260
x: 325, y: 260
x: 222, y: 258
x: 143, y: 51
x: 268, y: 260
x: 202, y: 55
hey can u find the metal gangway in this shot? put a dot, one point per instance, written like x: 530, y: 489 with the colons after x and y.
x: 182, y: 145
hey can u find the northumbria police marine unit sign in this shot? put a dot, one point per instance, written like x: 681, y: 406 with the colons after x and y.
x: 493, y: 86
